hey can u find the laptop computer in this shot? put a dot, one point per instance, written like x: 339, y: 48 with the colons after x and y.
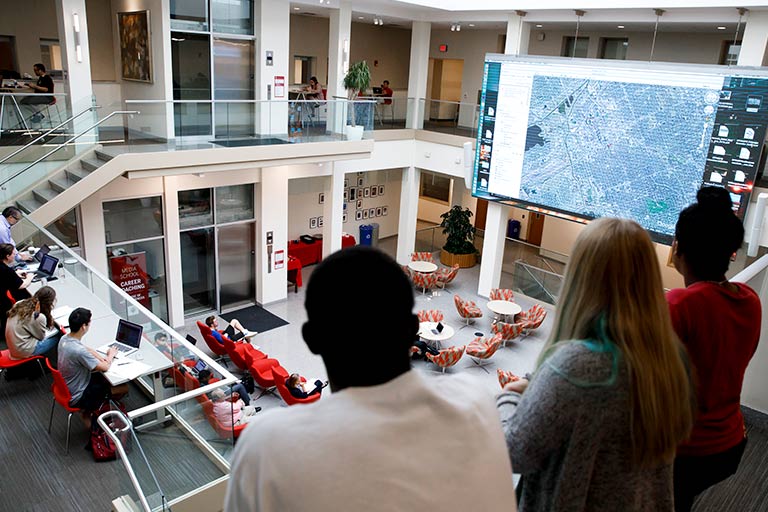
x: 42, y: 251
x: 377, y: 90
x: 47, y: 268
x: 127, y: 339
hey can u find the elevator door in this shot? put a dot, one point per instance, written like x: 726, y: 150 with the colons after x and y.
x: 237, y: 279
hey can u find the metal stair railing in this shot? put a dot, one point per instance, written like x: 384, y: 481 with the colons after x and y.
x: 527, y: 268
x: 64, y: 144
x: 31, y: 143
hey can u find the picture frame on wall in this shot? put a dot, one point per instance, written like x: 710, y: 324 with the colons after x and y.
x: 344, y: 206
x: 379, y: 211
x: 135, y: 46
x: 359, y: 173
x: 321, y: 198
x: 359, y: 215
x: 365, y: 214
x: 360, y: 181
x: 381, y: 190
x: 359, y: 204
x: 352, y: 194
x: 344, y: 217
x: 367, y: 192
x: 346, y: 195
x: 372, y: 213
x: 374, y: 191
x: 320, y: 221
x: 346, y: 182
x: 384, y: 211
x: 313, y: 223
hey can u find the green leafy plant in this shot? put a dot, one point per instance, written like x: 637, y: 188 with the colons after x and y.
x: 358, y: 79
x: 460, y: 231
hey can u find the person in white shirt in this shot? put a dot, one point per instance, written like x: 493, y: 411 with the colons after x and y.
x: 387, y: 438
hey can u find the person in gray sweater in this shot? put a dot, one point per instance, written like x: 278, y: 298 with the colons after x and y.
x: 597, y: 428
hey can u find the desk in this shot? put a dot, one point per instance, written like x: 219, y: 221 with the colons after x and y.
x: 10, y: 95
x: 504, y: 308
x: 424, y: 267
x: 294, y: 272
x: 309, y: 254
x: 425, y: 332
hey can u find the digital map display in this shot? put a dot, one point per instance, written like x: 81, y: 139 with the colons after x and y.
x: 619, y: 142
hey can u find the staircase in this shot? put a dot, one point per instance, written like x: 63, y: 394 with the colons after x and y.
x: 60, y: 181
x: 536, y: 283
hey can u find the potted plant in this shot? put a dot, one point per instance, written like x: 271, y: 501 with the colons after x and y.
x: 459, y: 247
x: 357, y: 80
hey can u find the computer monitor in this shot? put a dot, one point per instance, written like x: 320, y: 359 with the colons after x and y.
x: 48, y: 265
x: 129, y: 333
x: 200, y: 366
x: 377, y: 90
x: 42, y: 251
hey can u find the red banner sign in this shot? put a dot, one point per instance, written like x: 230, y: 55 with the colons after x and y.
x: 129, y: 272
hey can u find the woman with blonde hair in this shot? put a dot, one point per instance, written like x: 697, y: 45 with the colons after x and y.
x: 610, y: 400
x: 29, y: 323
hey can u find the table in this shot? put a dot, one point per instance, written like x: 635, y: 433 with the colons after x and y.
x: 504, y: 308
x: 294, y: 272
x: 309, y: 254
x: 11, y: 94
x: 425, y: 332
x: 425, y: 267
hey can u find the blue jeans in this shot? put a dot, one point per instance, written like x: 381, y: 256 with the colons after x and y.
x: 47, y: 344
x: 244, y: 396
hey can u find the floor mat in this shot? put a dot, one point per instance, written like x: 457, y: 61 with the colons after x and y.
x: 256, y: 318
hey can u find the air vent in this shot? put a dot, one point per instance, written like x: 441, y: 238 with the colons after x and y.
x: 307, y: 14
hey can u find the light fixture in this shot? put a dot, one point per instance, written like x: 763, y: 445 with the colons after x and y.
x: 361, y: 17
x: 471, y: 24
x: 620, y: 26
x: 297, y: 8
x: 539, y: 25
x: 78, y: 47
x: 721, y: 28
x: 377, y: 20
x: 346, y: 46
x: 455, y: 27
x: 76, y: 22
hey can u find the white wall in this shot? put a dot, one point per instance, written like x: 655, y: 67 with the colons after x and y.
x: 100, y: 47
x: 28, y: 22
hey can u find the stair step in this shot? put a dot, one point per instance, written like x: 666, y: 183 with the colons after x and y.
x: 76, y: 174
x: 90, y: 164
x: 61, y: 182
x: 29, y: 204
x: 44, y: 194
x: 102, y: 156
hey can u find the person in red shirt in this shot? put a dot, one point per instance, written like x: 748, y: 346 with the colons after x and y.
x: 719, y: 323
x: 386, y: 92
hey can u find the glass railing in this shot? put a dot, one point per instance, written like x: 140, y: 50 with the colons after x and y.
x: 451, y: 117
x: 24, y: 115
x: 536, y: 283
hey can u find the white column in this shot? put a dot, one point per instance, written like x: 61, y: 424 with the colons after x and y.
x: 421, y: 32
x: 493, y: 248
x: 174, y: 282
x: 273, y: 20
x: 518, y: 34
x: 271, y: 283
x: 339, y: 43
x: 755, y: 40
x: 73, y: 37
x: 333, y: 210
x: 409, y: 209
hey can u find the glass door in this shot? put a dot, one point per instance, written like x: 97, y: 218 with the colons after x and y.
x: 198, y: 270
x: 237, y: 265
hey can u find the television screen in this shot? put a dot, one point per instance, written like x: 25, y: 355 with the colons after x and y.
x: 594, y: 138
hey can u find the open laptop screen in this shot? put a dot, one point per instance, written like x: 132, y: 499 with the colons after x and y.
x: 48, y: 265
x: 42, y: 251
x: 129, y: 333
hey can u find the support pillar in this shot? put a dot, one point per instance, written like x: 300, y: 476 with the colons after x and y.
x: 333, y: 210
x: 409, y: 209
x: 273, y: 25
x: 755, y: 40
x: 417, y: 74
x: 271, y: 283
x: 339, y: 43
x: 493, y: 248
x: 518, y: 34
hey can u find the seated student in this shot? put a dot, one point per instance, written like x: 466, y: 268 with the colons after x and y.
x: 231, y: 412
x: 235, y: 330
x: 300, y: 389
x: 204, y: 378
x: 82, y: 367
x: 13, y: 281
x: 28, y: 322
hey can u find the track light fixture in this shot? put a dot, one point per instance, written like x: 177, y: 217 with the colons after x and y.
x: 377, y: 20
x: 455, y: 27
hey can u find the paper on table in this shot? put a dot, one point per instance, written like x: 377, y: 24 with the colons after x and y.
x: 61, y: 315
x: 127, y: 369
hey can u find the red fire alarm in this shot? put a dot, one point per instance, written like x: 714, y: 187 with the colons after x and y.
x: 443, y: 48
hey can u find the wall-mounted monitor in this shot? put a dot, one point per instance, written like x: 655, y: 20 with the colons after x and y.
x: 591, y: 138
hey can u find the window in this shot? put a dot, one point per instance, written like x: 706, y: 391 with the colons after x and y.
x: 729, y: 53
x: 614, y: 48
x: 302, y: 69
x: 574, y: 48
x: 234, y: 203
x: 232, y: 16
x: 189, y: 14
x: 435, y: 187
x: 191, y: 55
x: 50, y: 54
x: 195, y: 208
x: 133, y: 219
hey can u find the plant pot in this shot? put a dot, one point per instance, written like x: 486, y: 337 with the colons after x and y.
x: 354, y: 132
x: 463, y: 260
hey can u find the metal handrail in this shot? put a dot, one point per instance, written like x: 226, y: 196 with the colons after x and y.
x: 93, y: 107
x: 527, y: 268
x: 63, y: 144
x: 550, y: 267
x: 102, y: 420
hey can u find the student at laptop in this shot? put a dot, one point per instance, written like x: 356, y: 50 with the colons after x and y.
x: 235, y: 330
x: 11, y: 281
x: 10, y: 216
x: 31, y: 330
x: 82, y: 367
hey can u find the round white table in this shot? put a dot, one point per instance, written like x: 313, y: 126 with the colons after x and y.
x: 425, y: 267
x: 504, y: 308
x: 425, y: 332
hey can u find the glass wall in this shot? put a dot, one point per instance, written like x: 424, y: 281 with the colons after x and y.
x: 191, y: 58
x: 198, y: 270
x: 581, y: 46
x: 189, y: 14
x: 232, y: 16
x: 233, y: 67
x: 614, y: 48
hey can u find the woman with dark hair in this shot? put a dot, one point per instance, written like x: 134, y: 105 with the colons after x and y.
x: 299, y: 389
x: 719, y: 323
x: 29, y: 323
x: 11, y: 281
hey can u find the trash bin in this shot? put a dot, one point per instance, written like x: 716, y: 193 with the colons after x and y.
x: 513, y: 229
x: 375, y: 234
x: 366, y: 234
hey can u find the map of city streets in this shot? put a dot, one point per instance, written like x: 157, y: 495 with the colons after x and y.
x: 609, y: 148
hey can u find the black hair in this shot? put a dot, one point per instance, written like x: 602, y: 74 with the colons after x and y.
x: 385, y: 82
x: 209, y: 321
x: 314, y: 78
x: 204, y: 375
x: 40, y: 66
x: 708, y: 233
x: 78, y: 318
x: 6, y: 250
x: 161, y: 334
x: 12, y: 211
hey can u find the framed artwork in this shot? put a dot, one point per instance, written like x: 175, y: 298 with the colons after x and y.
x: 384, y: 211
x: 359, y: 215
x: 346, y: 195
x: 381, y: 190
x: 367, y: 192
x: 359, y: 204
x: 135, y: 49
x: 320, y: 221
x: 374, y: 191
x: 346, y: 182
x: 360, y: 180
x: 360, y: 173
x: 321, y: 198
x: 365, y: 214
x: 313, y: 223
x: 345, y: 206
x: 379, y: 211
x: 352, y: 194
x: 344, y: 217
x: 372, y: 212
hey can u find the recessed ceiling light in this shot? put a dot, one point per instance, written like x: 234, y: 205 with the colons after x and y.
x: 361, y: 17
x: 721, y: 28
x: 539, y: 26
x: 471, y: 24
x: 297, y: 8
x: 620, y: 26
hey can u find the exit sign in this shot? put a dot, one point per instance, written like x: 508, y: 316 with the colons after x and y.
x: 443, y: 48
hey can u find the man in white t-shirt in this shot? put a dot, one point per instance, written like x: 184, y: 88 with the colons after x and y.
x: 388, y: 438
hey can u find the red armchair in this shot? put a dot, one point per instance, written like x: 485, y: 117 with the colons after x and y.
x: 222, y: 431
x: 424, y: 281
x: 242, y: 353
x: 213, y: 344
x: 532, y: 318
x: 281, y: 376
x: 62, y: 396
x: 505, y: 377
x: 482, y: 349
x: 502, y: 294
x: 6, y: 361
x: 447, y: 357
x: 508, y: 331
x: 446, y: 275
x: 430, y: 315
x: 467, y: 309
x: 261, y: 371
x: 421, y: 256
